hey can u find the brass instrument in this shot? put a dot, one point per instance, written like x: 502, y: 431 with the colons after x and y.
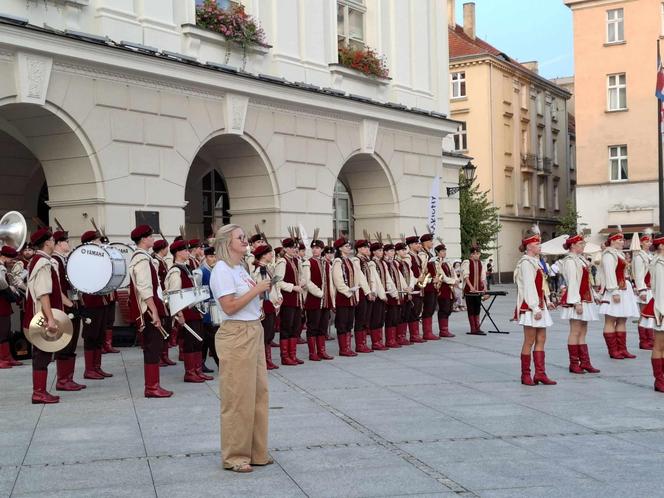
x: 424, y: 280
x: 47, y: 341
x: 13, y: 230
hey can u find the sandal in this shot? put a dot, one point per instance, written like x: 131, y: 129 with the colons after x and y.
x: 242, y: 468
x: 269, y: 462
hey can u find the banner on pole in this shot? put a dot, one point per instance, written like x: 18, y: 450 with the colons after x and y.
x: 434, y: 202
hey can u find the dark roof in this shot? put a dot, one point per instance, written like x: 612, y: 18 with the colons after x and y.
x: 142, y: 50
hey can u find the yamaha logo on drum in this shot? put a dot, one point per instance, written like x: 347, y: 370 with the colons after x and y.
x: 92, y: 252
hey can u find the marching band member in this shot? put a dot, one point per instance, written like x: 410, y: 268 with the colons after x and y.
x: 395, y: 299
x: 255, y: 241
x: 403, y: 263
x: 328, y: 256
x: 159, y: 252
x: 656, y: 308
x: 261, y: 270
x: 384, y: 286
x: 641, y: 275
x: 19, y: 268
x: 618, y: 300
x: 147, y: 308
x: 366, y: 296
x: 532, y: 310
x: 7, y: 296
x: 180, y: 277
x: 344, y: 294
x: 93, y: 332
x: 107, y: 345
x: 195, y: 253
x: 430, y: 294
x: 578, y: 302
x: 65, y: 359
x: 288, y: 268
x: 445, y: 285
x: 208, y: 327
x: 43, y: 294
x: 474, y: 279
x: 318, y: 301
x: 417, y: 269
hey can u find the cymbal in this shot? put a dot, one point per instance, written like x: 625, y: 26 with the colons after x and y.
x: 46, y: 341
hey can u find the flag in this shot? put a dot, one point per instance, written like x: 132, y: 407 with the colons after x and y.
x: 659, y: 90
x: 434, y: 200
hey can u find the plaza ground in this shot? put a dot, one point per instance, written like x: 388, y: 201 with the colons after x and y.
x: 438, y: 419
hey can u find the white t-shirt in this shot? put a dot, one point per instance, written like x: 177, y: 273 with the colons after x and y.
x: 226, y: 280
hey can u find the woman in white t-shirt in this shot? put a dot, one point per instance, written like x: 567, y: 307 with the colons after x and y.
x: 239, y: 343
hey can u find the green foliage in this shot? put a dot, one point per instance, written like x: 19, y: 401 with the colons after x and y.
x: 479, y: 220
x: 568, y: 223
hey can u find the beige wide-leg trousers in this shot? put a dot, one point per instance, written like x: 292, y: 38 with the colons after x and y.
x: 244, y: 393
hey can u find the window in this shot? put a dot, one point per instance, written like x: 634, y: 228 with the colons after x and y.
x: 215, y: 201
x: 617, y: 91
x: 509, y: 189
x: 618, y: 163
x: 555, y: 151
x: 541, y: 193
x: 525, y: 191
x: 556, y: 196
x: 342, y: 224
x: 458, y: 85
x: 222, y: 4
x: 540, y: 103
x: 524, y: 96
x: 350, y: 23
x: 524, y: 140
x: 540, y: 149
x: 461, y: 138
x: 615, y: 26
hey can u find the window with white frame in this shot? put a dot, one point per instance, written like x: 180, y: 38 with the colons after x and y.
x: 615, y: 26
x: 222, y: 4
x: 618, y: 163
x: 541, y: 193
x: 616, y: 92
x: 556, y: 196
x: 461, y: 138
x: 458, y: 81
x: 525, y: 191
x: 540, y: 148
x: 540, y: 103
x: 524, y: 96
x: 350, y: 23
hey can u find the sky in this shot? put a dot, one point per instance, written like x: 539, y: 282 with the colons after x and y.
x: 527, y: 30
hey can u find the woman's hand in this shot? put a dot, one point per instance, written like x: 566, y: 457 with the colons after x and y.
x: 616, y: 298
x: 537, y: 316
x: 551, y: 306
x: 578, y: 308
x: 264, y: 286
x: 180, y: 318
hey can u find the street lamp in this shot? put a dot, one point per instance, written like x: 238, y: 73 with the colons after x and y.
x: 468, y: 175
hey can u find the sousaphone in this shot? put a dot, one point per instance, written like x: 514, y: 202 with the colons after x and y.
x: 50, y: 342
x: 13, y: 230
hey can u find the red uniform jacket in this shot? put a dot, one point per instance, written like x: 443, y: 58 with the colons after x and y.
x: 55, y: 296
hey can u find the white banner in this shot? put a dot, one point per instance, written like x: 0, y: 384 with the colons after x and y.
x: 434, y: 202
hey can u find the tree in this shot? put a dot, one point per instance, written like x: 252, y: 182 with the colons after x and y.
x: 568, y: 223
x: 479, y: 219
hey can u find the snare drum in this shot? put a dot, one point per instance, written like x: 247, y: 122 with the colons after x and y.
x: 127, y: 252
x: 94, y: 269
x: 186, y: 298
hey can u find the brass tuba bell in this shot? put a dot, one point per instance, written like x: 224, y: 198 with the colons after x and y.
x: 13, y: 230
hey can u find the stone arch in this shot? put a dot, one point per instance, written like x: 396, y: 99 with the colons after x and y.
x: 374, y: 193
x: 248, y: 176
x: 43, y: 144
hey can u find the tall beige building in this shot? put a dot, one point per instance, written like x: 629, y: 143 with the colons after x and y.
x: 615, y: 55
x: 516, y: 129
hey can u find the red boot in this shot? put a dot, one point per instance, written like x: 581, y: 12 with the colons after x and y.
x: 320, y: 345
x: 427, y: 328
x: 268, y: 358
x: 391, y: 335
x: 651, y: 338
x: 361, y: 342
x: 198, y: 356
x: 574, y: 359
x: 164, y: 360
x: 90, y: 367
x: 475, y: 325
x: 644, y: 338
x: 190, y: 365
x: 584, y: 356
x: 173, y: 338
x: 658, y: 373
x: 108, y: 343
x: 526, y: 378
x: 292, y: 350
x: 612, y: 346
x: 152, y: 387
x: 471, y: 322
x: 98, y: 364
x: 621, y: 342
x: 311, y: 343
x: 65, y: 372
x: 444, y: 328
x: 540, y: 370
x: 344, y: 345
x: 5, y: 356
x: 39, y: 393
x: 377, y: 340
x: 414, y: 331
x: 285, y: 354
x: 402, y: 338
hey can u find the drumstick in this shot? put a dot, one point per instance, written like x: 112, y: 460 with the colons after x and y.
x: 192, y: 332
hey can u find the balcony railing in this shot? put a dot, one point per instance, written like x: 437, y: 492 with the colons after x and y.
x: 529, y: 162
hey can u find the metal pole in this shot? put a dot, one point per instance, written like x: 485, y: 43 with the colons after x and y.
x: 660, y: 173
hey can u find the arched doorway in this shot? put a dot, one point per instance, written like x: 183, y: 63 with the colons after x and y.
x: 229, y: 181
x: 365, y: 197
x: 342, y: 203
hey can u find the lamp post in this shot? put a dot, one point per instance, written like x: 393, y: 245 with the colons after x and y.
x: 468, y: 175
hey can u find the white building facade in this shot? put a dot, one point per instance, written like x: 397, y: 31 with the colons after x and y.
x: 125, y: 110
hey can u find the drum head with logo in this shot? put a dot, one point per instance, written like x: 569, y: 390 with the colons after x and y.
x: 127, y: 252
x: 89, y: 268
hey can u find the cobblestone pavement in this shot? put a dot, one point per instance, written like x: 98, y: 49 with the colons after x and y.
x: 437, y: 419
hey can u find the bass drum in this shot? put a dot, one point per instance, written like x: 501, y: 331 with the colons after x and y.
x: 94, y: 269
x: 127, y: 252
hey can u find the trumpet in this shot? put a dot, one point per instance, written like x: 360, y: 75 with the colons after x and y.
x: 424, y: 280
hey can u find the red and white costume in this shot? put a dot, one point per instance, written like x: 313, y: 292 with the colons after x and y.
x: 576, y: 272
x: 612, y: 272
x: 652, y: 316
x: 531, y: 295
